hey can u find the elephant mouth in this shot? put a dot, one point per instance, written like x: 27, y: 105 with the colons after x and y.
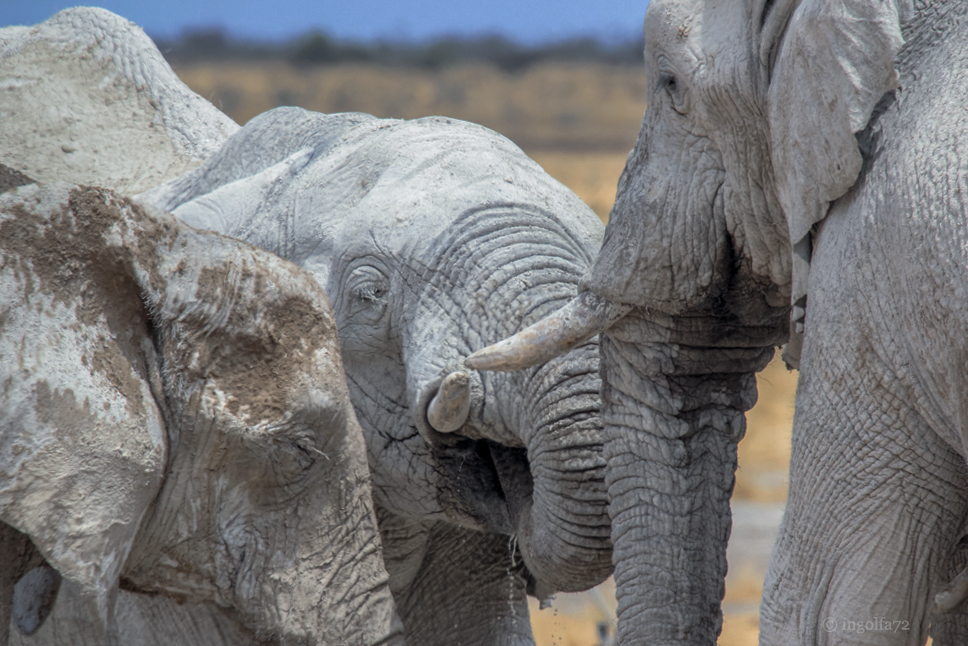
x: 487, y: 485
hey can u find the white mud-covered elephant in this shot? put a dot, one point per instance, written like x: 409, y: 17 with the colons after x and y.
x: 174, y: 420
x: 812, y: 153
x: 433, y: 239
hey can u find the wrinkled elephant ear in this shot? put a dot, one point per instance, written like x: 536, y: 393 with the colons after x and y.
x: 82, y: 440
x: 834, y: 64
x: 829, y: 66
x: 253, y: 209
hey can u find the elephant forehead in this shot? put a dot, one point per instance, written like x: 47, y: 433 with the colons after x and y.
x: 675, y: 28
x: 419, y: 176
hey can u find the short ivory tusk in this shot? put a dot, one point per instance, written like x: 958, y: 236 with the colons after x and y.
x: 582, y: 318
x: 953, y: 594
x: 449, y: 408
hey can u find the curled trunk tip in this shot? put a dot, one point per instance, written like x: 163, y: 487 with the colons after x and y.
x: 449, y: 408
x: 582, y: 318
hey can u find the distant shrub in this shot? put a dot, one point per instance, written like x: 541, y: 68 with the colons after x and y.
x: 213, y: 44
x: 319, y: 48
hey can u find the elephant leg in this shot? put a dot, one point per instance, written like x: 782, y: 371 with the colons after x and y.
x: 12, y: 544
x: 877, y: 503
x: 468, y: 589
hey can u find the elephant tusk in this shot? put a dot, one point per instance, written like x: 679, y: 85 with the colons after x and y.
x: 953, y: 594
x: 582, y: 318
x: 449, y: 408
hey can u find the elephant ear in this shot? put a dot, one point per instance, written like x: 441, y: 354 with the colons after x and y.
x: 97, y: 104
x: 255, y: 208
x: 82, y: 437
x: 834, y: 63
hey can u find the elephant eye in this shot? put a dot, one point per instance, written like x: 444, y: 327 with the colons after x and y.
x: 362, y: 310
x: 367, y: 289
x: 369, y: 303
x: 673, y: 87
x: 294, y: 456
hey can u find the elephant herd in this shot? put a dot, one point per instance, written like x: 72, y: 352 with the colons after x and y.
x: 335, y: 379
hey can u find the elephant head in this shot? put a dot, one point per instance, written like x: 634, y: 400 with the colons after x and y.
x: 174, y: 420
x: 434, y: 238
x: 749, y: 134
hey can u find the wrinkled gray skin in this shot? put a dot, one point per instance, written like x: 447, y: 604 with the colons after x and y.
x: 434, y: 238
x: 748, y: 136
x: 174, y: 420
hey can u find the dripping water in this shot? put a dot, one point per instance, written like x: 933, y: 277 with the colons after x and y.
x: 513, y: 549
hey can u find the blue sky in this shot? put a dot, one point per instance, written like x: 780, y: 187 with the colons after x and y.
x: 527, y: 21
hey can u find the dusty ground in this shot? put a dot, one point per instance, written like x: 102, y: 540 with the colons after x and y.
x: 549, y: 106
x: 579, y: 122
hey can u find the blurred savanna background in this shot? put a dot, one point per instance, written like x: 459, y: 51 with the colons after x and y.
x: 575, y: 107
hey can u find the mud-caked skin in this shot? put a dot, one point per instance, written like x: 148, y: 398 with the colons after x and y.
x: 168, y: 425
x: 435, y: 237
x: 89, y: 87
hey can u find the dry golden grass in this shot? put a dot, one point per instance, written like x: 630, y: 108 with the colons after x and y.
x: 552, y: 627
x: 552, y: 106
x: 764, y: 454
x: 578, y: 122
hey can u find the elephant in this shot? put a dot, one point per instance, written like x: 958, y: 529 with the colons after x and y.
x: 433, y: 238
x: 174, y: 420
x: 798, y: 177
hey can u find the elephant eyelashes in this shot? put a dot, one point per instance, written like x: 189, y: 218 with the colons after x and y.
x: 371, y: 292
x: 293, y: 457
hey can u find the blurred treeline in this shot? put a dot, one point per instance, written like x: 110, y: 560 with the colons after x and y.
x: 574, y: 106
x: 318, y: 48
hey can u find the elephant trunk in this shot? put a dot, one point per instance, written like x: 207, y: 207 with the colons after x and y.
x: 674, y: 390
x: 563, y: 528
x: 335, y: 589
x: 673, y: 416
x: 334, y: 606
